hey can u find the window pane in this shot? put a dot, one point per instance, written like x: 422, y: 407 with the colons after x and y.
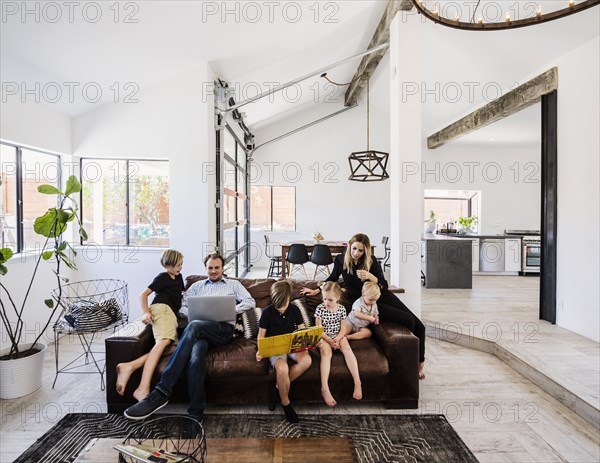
x: 260, y: 207
x: 229, y: 244
x: 8, y: 197
x: 241, y: 209
x: 229, y: 175
x: 241, y: 157
x: 104, y: 205
x: 38, y: 169
x: 284, y: 208
x: 149, y: 203
x: 229, y: 144
x: 229, y: 211
x: 446, y: 210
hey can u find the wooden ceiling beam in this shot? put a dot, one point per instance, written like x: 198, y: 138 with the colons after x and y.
x: 523, y: 96
x: 369, y: 63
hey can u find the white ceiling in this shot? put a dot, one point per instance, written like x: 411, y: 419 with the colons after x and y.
x: 285, y: 42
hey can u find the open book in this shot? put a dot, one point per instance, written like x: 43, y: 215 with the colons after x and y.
x: 149, y: 454
x: 298, y: 341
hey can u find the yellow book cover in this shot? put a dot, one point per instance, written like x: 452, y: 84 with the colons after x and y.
x: 298, y: 341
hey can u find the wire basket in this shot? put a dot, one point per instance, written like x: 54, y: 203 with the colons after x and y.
x: 92, y: 305
x: 180, y: 435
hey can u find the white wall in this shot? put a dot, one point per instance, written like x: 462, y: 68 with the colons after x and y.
x: 508, y: 177
x: 172, y: 120
x: 32, y: 125
x: 315, y: 161
x: 578, y: 272
x: 36, y: 126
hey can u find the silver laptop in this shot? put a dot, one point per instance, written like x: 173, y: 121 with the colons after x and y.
x: 211, y: 308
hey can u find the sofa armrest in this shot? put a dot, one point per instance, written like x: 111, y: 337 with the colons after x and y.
x: 127, y: 343
x: 401, y: 349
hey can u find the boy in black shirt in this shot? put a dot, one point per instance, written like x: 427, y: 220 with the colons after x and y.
x: 168, y: 288
x: 281, y: 318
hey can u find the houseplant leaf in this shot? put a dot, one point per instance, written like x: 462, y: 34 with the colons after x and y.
x: 53, y: 223
x: 73, y: 185
x: 49, y: 190
x: 49, y: 303
x: 5, y: 254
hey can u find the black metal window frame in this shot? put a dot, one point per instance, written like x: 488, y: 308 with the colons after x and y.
x: 19, y: 245
x: 127, y: 196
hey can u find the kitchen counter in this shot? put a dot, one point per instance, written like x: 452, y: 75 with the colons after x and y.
x: 448, y: 262
x: 472, y: 236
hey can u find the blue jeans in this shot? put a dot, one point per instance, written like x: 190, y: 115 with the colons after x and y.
x: 190, y: 355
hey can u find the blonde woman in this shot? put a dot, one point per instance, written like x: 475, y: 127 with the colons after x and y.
x: 357, y: 266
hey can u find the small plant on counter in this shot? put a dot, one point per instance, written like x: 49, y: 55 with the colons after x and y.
x: 467, y: 224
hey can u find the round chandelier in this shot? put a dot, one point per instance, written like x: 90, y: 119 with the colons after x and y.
x: 498, y: 15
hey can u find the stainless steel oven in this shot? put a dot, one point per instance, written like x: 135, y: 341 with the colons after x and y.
x: 531, y: 257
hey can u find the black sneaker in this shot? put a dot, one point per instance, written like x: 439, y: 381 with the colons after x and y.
x: 290, y: 413
x: 144, y: 408
x: 274, y: 398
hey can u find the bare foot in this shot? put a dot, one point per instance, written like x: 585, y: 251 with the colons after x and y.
x: 140, y: 394
x: 422, y: 370
x: 329, y: 400
x: 350, y: 337
x: 124, y: 371
x: 357, y: 392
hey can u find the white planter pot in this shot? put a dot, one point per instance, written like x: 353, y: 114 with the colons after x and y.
x: 429, y: 227
x: 21, y: 376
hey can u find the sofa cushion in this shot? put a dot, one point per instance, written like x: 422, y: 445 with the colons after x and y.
x: 236, y: 359
x: 246, y: 323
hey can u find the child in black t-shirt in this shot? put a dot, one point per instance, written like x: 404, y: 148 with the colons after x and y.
x: 281, y: 317
x: 168, y: 288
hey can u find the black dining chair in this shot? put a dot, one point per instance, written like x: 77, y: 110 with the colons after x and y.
x: 297, y: 256
x: 321, y: 257
x: 384, y: 260
x: 275, y: 261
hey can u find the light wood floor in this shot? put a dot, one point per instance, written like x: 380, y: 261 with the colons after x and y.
x: 499, y: 414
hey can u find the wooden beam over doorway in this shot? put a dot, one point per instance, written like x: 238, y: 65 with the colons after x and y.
x: 523, y: 96
x: 369, y: 63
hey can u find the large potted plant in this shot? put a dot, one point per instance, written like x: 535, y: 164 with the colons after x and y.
x: 21, y: 365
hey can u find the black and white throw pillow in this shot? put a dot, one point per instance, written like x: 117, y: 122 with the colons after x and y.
x: 88, y: 315
x: 246, y: 323
x: 301, y: 304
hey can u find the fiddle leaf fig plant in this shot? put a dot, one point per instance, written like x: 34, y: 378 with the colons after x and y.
x: 52, y: 225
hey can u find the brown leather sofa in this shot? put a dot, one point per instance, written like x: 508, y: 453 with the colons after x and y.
x: 388, y: 363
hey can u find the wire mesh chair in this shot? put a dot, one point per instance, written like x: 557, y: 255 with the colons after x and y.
x: 89, y: 308
x: 180, y: 435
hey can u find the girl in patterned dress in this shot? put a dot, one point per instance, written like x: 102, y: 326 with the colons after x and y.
x: 331, y: 315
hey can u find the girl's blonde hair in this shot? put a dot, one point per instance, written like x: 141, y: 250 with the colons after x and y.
x: 281, y: 293
x: 365, y: 261
x: 332, y: 287
x: 371, y: 290
x: 171, y: 258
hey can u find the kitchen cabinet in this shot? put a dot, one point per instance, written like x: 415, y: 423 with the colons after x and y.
x: 475, y: 255
x: 512, y: 259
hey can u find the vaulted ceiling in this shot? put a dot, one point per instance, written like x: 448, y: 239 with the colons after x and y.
x: 255, y: 45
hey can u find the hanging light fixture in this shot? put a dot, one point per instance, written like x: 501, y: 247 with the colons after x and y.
x: 500, y: 20
x: 369, y: 165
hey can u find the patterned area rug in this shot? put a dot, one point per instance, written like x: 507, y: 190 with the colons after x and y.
x: 377, y: 438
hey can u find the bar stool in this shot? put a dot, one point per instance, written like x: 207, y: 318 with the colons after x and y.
x: 384, y: 261
x: 297, y: 256
x: 275, y: 261
x: 321, y: 257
